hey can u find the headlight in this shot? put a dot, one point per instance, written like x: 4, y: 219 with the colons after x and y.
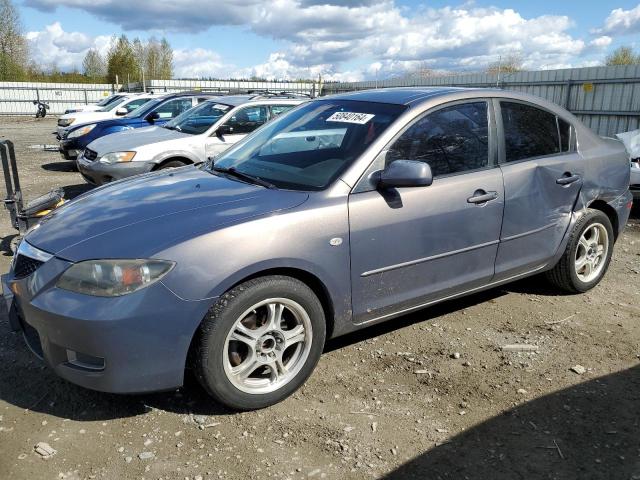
x: 117, y: 157
x: 65, y: 122
x: 113, y: 278
x: 81, y: 131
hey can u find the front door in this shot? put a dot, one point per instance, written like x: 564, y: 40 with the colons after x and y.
x: 411, y: 246
x: 542, y: 178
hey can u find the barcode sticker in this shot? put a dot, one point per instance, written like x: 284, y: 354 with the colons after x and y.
x: 350, y: 117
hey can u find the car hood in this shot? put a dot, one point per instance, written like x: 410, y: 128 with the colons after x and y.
x: 131, y: 139
x: 138, y: 217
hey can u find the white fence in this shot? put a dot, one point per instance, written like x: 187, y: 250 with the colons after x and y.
x: 16, y: 98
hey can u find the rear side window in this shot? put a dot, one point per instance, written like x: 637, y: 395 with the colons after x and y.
x: 531, y: 132
x: 278, y: 109
x: 247, y: 119
x: 451, y: 140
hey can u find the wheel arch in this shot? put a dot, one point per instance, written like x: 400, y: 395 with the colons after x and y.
x: 610, y: 212
x: 170, y: 158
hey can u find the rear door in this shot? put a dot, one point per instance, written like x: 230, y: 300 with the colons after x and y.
x: 542, y: 179
x: 410, y: 246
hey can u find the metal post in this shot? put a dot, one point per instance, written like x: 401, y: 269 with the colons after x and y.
x: 86, y: 101
x: 567, y: 94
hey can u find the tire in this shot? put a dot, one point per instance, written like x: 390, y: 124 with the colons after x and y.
x: 171, y: 164
x: 221, y: 361
x: 570, y: 273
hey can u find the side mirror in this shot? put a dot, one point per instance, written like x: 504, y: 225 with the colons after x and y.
x: 223, y: 130
x: 120, y: 112
x: 153, y: 116
x: 405, y: 173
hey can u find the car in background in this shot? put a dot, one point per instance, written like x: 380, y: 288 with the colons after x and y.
x: 347, y: 211
x: 155, y: 112
x: 92, y: 107
x: 120, y: 108
x: 194, y: 136
x: 635, y: 178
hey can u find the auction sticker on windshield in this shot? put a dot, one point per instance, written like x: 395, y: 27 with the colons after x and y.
x: 350, y: 117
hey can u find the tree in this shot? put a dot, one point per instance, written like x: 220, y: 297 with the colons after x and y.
x: 166, y: 60
x: 622, y: 56
x: 93, y: 64
x: 121, y: 61
x: 13, y: 45
x: 510, y: 63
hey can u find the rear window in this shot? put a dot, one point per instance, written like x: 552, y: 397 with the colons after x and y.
x: 531, y: 132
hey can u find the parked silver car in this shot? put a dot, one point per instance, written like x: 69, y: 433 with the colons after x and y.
x: 194, y: 136
x: 347, y: 211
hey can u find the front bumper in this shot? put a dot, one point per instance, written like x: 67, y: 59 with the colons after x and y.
x: 130, y: 344
x: 70, y: 149
x: 98, y: 173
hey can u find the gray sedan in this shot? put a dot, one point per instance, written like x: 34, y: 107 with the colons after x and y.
x: 348, y: 211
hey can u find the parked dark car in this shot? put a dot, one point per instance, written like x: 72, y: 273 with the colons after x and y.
x: 347, y: 211
x: 155, y: 112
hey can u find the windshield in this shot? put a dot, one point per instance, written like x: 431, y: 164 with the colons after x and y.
x: 113, y: 104
x: 307, y: 148
x: 199, y: 119
x: 106, y: 101
x: 143, y: 110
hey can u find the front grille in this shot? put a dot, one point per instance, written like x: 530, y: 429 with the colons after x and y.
x: 90, y: 154
x: 25, y: 266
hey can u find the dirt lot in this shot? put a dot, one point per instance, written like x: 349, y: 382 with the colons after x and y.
x: 430, y: 395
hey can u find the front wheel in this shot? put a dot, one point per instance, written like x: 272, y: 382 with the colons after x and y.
x: 259, y: 342
x: 587, y: 255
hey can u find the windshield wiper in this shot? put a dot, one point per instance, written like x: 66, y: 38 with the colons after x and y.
x: 243, y: 176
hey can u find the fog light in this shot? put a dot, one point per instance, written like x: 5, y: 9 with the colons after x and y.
x: 82, y: 360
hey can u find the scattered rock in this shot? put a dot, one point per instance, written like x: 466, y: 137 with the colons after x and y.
x: 128, y: 459
x: 45, y: 450
x: 522, y: 391
x: 519, y: 347
x: 455, y: 355
x: 146, y: 455
x: 374, y: 427
x: 579, y: 369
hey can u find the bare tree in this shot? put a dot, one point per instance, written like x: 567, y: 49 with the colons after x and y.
x: 93, y: 65
x: 509, y: 63
x: 622, y: 56
x: 166, y: 60
x: 13, y: 45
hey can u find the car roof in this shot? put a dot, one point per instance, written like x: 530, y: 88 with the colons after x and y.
x: 403, y: 95
x: 237, y: 100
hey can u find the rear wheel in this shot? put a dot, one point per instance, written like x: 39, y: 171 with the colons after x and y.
x: 260, y: 342
x: 587, y: 255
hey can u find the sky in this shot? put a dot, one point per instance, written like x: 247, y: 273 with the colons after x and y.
x: 338, y: 39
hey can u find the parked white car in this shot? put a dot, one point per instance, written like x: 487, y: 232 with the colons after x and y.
x: 93, y: 107
x: 117, y: 108
x: 198, y: 134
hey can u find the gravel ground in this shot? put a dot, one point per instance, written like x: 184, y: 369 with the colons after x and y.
x: 432, y: 395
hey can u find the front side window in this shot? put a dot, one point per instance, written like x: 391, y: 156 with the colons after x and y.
x: 451, y: 140
x: 175, y: 107
x: 531, y: 132
x: 309, y: 147
x: 199, y: 119
x: 131, y: 106
x: 247, y: 119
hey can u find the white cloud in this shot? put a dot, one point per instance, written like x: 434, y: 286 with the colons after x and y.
x: 601, y: 42
x: 622, y: 22
x: 199, y: 63
x: 324, y: 36
x: 66, y: 50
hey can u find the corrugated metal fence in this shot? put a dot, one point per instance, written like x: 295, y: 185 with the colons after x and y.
x: 607, y: 99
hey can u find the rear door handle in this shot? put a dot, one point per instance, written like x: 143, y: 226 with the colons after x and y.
x: 567, y: 179
x: 480, y: 196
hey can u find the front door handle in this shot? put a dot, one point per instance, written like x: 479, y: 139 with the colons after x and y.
x: 567, y: 179
x: 480, y: 196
